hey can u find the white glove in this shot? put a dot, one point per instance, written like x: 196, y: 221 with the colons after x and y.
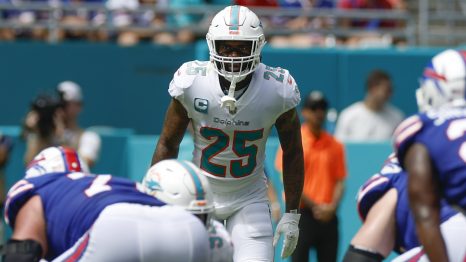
x: 288, y: 226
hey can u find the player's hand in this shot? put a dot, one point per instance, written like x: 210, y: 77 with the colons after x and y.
x: 288, y: 226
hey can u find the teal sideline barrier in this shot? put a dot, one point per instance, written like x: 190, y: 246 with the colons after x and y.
x: 141, y: 148
x: 114, y: 151
x: 127, y: 87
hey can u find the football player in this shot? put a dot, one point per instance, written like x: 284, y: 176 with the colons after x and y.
x: 431, y: 147
x: 161, y: 181
x: 61, y: 214
x: 388, y: 223
x: 232, y: 102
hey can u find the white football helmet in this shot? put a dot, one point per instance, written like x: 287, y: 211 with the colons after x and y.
x: 54, y: 160
x: 443, y: 81
x: 236, y: 23
x: 180, y: 183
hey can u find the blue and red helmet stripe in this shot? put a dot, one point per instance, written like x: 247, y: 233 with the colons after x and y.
x: 71, y: 159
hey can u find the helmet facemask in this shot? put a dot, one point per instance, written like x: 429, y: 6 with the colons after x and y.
x: 235, y: 67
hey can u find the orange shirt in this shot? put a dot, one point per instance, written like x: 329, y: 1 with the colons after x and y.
x: 324, y: 165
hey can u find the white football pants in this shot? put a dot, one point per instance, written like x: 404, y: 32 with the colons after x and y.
x: 132, y: 232
x: 248, y: 220
x: 454, y: 235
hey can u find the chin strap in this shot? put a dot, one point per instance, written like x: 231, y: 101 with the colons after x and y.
x: 229, y: 100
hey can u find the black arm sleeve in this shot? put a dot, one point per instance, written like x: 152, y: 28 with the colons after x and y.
x: 354, y: 254
x: 21, y: 251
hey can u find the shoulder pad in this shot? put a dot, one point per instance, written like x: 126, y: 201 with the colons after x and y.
x: 405, y: 133
x: 184, y: 77
x: 370, y: 193
x: 284, y: 84
x: 391, y: 165
x: 18, y: 194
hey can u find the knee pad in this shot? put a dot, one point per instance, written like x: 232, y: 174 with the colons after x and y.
x: 355, y: 254
x: 21, y: 251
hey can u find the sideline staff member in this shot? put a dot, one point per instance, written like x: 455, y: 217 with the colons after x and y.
x: 324, y: 175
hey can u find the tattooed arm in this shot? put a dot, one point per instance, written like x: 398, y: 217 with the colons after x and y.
x: 289, y: 133
x: 174, y: 127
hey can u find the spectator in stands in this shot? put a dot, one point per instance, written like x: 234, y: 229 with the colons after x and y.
x: 85, y: 142
x: 373, y: 119
x: 324, y: 176
x: 262, y: 3
x: 220, y: 2
x: 371, y: 38
x: 23, y: 17
x: 122, y: 17
x: 79, y: 19
x: 299, y: 23
x: 373, y: 5
x: 182, y: 21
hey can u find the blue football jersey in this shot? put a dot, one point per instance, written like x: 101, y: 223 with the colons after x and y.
x: 72, y: 202
x: 392, y: 176
x: 442, y: 132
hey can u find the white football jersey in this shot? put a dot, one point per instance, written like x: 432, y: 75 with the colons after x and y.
x: 231, y: 147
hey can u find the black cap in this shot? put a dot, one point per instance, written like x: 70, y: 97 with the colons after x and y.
x: 315, y: 100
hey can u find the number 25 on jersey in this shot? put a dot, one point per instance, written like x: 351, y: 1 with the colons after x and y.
x: 239, y: 148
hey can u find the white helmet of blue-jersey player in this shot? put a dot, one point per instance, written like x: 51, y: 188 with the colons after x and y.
x: 443, y: 81
x: 55, y: 160
x: 180, y: 183
x: 236, y: 23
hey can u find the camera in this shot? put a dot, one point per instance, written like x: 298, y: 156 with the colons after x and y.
x: 46, y: 107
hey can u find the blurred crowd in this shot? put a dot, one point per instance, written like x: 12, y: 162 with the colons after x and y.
x: 129, y: 22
